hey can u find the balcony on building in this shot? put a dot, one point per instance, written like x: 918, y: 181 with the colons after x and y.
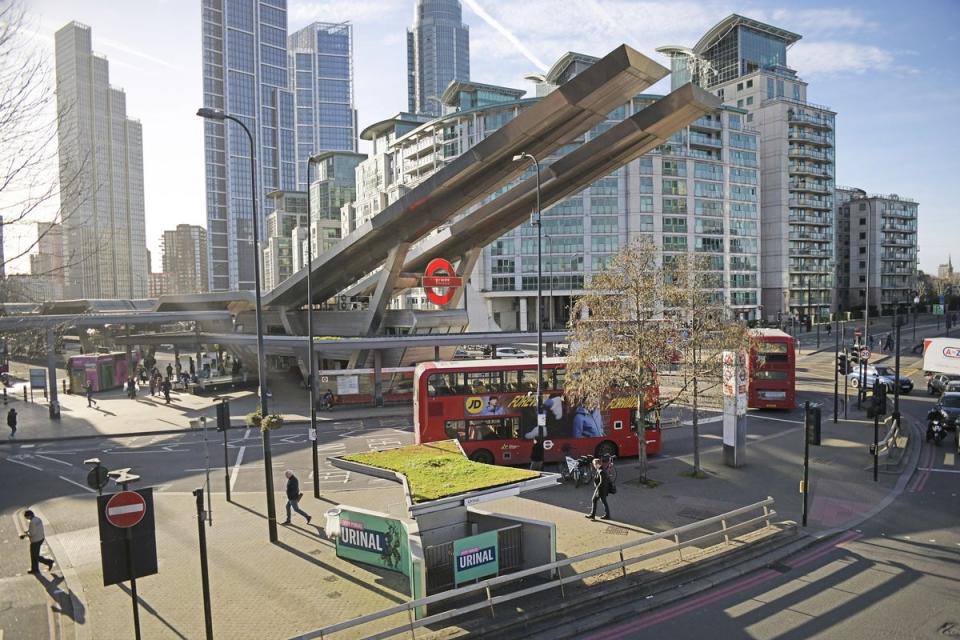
x: 708, y: 123
x: 813, y: 186
x: 815, y: 235
x: 811, y: 169
x: 795, y: 116
x: 703, y: 140
x: 804, y: 151
x: 798, y: 134
x: 805, y: 217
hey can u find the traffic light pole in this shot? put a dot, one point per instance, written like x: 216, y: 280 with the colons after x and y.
x: 223, y: 423
x: 204, y: 573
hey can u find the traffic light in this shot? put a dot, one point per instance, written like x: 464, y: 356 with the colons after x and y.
x: 223, y: 415
x: 879, y: 399
x: 813, y: 426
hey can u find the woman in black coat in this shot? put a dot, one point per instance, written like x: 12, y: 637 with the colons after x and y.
x: 601, y: 481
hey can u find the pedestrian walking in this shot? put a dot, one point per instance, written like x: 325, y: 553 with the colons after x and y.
x: 601, y: 481
x: 888, y: 346
x: 35, y: 533
x: 169, y: 370
x: 89, y: 389
x: 870, y: 341
x: 536, y: 454
x: 293, y: 497
x: 153, y: 386
x: 165, y: 387
x: 12, y: 422
x: 131, y: 389
x: 193, y: 368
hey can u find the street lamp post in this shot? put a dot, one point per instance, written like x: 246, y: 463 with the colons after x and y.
x: 310, y: 353
x: 216, y: 114
x: 536, y: 220
x: 550, y: 297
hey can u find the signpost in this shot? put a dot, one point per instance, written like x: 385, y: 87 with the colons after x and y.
x: 476, y: 557
x: 125, y: 509
x: 440, y: 274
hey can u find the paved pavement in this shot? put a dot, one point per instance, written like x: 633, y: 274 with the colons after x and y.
x: 301, y: 581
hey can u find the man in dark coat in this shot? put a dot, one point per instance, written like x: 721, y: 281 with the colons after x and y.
x: 12, y: 422
x: 601, y: 490
x: 293, y: 497
x: 536, y: 454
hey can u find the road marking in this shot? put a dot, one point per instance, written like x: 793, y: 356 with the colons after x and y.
x: 781, y: 420
x: 26, y: 464
x: 40, y: 455
x: 236, y: 466
x: 929, y: 469
x: 82, y: 486
x: 246, y: 434
x: 711, y: 419
x: 949, y: 459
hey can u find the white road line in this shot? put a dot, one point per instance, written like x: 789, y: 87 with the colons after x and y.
x: 709, y: 420
x: 236, y: 467
x: 780, y: 420
x: 347, y: 477
x: 246, y: 434
x: 949, y: 459
x: 82, y: 486
x: 26, y: 464
x: 40, y: 455
x: 939, y: 470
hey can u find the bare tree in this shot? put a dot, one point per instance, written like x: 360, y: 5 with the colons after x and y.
x: 619, y: 335
x: 706, y: 329
x: 656, y: 326
x: 30, y: 187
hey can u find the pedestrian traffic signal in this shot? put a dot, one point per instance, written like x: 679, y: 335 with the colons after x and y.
x: 223, y: 415
x: 813, y: 425
x: 880, y: 399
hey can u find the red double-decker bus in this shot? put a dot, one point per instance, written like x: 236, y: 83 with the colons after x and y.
x: 773, y: 371
x: 490, y: 406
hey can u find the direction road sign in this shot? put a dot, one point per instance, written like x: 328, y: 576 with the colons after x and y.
x: 125, y: 509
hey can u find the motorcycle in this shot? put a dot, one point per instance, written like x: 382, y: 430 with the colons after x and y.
x: 936, y: 423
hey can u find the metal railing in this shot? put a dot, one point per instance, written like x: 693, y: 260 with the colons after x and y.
x: 557, y: 579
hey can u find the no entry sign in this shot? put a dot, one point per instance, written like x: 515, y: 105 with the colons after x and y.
x: 125, y: 509
x: 440, y: 274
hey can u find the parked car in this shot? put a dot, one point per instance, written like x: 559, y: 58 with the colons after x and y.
x: 937, y: 383
x: 949, y: 405
x: 511, y: 352
x: 885, y: 375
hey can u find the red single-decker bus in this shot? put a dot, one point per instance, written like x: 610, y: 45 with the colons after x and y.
x: 773, y: 371
x: 490, y: 406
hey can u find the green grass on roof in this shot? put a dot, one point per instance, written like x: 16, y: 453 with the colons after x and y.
x: 438, y: 470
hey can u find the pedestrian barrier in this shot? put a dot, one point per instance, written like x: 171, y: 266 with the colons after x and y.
x: 557, y: 579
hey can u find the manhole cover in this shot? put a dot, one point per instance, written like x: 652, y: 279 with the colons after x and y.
x: 616, y: 531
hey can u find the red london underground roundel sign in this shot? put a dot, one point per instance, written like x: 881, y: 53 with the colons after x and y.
x: 126, y: 509
x: 440, y: 275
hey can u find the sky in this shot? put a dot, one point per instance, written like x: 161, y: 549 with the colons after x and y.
x: 888, y: 68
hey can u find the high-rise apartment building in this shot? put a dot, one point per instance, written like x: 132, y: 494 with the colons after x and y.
x: 744, y: 62
x: 245, y: 74
x: 321, y: 74
x: 101, y: 176
x: 877, y: 249
x: 699, y: 193
x: 289, y: 213
x: 438, y: 52
x: 185, y: 260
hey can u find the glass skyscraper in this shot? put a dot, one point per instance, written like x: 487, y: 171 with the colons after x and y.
x: 321, y: 75
x: 101, y: 173
x: 245, y: 73
x: 438, y: 52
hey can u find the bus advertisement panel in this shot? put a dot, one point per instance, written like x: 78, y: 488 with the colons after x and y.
x: 490, y: 406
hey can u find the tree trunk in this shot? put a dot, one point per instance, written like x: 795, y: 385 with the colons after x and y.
x: 642, y: 435
x: 696, y: 430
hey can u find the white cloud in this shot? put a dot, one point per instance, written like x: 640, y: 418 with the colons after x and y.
x: 335, y: 11
x: 814, y: 21
x: 831, y: 58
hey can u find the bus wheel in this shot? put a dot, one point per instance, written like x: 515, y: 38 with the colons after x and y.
x: 483, y: 456
x: 606, y: 448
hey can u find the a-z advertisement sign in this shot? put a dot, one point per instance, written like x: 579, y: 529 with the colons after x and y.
x: 476, y: 557
x: 374, y: 540
x: 117, y: 516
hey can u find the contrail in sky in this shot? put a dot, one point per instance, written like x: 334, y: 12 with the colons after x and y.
x: 490, y: 20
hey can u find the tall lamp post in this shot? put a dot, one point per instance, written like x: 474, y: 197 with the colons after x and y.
x: 536, y: 220
x: 310, y: 353
x: 550, y: 297
x: 216, y: 114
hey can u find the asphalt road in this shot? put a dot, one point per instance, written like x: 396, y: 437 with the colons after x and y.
x: 896, y: 576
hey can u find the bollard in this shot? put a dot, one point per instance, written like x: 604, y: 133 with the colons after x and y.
x: 24, y: 393
x: 64, y: 381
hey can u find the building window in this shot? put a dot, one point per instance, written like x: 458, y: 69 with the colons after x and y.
x: 674, y: 225
x: 646, y: 223
x: 749, y: 84
x: 796, y: 92
x: 862, y: 207
x: 863, y: 235
x: 674, y: 187
x: 863, y: 264
x: 749, y: 100
x: 674, y: 205
x: 863, y: 250
x: 739, y: 86
x: 674, y: 243
x: 769, y: 88
x: 740, y: 104
x: 863, y: 221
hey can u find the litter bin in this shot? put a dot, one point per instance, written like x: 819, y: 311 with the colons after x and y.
x: 332, y: 527
x: 55, y: 409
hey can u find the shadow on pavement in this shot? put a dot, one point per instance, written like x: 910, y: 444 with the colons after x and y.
x: 149, y: 609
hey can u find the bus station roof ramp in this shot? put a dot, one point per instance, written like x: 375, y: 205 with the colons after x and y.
x: 616, y: 147
x: 573, y: 108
